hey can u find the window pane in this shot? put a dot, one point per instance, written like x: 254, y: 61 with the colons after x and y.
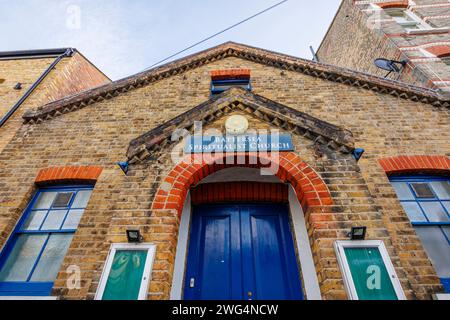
x: 446, y: 60
x: 403, y: 191
x: 22, y: 258
x: 54, y: 220
x: 422, y: 190
x: 62, y: 199
x: 402, y: 18
x: 73, y: 218
x: 412, y: 27
x: 446, y: 205
x: 442, y: 189
x: 413, y: 211
x: 125, y: 276
x: 434, y: 211
x: 447, y: 232
x: 437, y: 248
x: 44, y: 200
x: 34, y: 220
x: 82, y: 199
x: 50, y: 262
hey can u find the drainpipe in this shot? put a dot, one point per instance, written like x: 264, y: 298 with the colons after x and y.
x: 69, y: 52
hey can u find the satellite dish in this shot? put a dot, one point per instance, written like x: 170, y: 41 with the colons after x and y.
x: 389, y: 65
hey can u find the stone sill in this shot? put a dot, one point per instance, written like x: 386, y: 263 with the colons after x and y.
x: 428, y: 31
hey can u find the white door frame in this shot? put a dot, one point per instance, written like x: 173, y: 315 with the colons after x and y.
x: 310, y: 281
x: 349, y: 285
x: 146, y: 275
x: 176, y: 293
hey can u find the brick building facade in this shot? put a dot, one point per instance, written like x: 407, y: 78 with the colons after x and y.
x: 76, y: 143
x: 32, y: 78
x: 417, y: 31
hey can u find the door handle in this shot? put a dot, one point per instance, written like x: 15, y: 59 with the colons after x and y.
x: 192, y: 283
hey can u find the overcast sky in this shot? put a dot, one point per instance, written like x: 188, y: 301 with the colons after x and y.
x: 123, y: 37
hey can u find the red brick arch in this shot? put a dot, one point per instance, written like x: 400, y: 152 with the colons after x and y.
x: 310, y: 188
x: 439, y: 51
x: 393, y: 4
x: 68, y: 174
x: 415, y: 164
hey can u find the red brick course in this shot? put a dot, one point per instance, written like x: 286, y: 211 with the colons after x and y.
x: 415, y: 164
x: 239, y: 191
x: 393, y: 4
x: 230, y: 74
x: 68, y: 174
x: 439, y: 51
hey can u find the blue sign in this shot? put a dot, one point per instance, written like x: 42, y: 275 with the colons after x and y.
x: 239, y: 143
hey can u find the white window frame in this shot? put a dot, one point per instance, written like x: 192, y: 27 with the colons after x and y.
x: 339, y: 247
x: 146, y: 275
x: 416, y: 20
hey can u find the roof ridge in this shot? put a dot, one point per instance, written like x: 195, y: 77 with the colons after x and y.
x: 258, y: 55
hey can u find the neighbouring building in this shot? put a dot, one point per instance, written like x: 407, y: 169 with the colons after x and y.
x: 32, y: 78
x: 233, y: 173
x: 416, y: 31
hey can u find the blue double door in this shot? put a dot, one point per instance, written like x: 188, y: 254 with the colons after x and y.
x: 241, y: 252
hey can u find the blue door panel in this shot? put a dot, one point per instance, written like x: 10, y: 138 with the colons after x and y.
x: 241, y: 252
x: 213, y: 254
x: 270, y: 278
x: 271, y: 254
x: 215, y: 263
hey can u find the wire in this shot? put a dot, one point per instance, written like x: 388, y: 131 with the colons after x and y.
x: 216, y: 34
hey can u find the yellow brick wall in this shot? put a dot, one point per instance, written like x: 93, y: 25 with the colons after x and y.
x: 70, y: 75
x: 25, y: 71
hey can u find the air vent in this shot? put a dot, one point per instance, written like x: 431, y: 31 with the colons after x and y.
x: 422, y: 190
x: 62, y: 200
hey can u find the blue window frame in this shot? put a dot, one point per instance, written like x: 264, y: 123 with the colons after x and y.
x: 219, y: 86
x: 426, y: 200
x: 33, y: 254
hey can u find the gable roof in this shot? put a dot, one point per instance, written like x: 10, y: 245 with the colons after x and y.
x: 281, y: 116
x: 231, y: 49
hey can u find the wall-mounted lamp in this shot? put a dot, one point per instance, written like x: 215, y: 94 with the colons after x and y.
x: 357, y: 153
x: 134, y: 236
x: 357, y: 233
x: 124, y: 166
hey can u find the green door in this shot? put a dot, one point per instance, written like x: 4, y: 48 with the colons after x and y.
x: 369, y: 273
x: 125, y: 276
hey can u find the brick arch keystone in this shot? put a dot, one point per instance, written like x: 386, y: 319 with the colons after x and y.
x: 311, y: 190
x: 68, y: 174
x: 415, y: 164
